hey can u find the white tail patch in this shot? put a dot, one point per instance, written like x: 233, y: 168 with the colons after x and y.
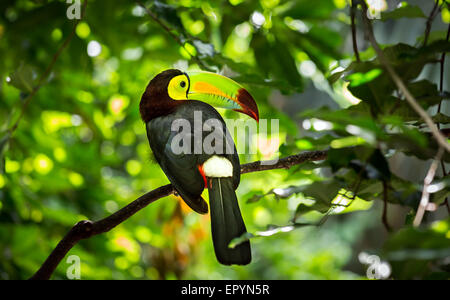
x: 218, y: 166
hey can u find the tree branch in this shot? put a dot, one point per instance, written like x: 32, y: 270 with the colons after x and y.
x: 284, y: 163
x: 353, y: 9
x: 86, y: 229
x: 425, y: 193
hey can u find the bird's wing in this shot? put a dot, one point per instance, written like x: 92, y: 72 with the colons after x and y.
x: 180, y: 168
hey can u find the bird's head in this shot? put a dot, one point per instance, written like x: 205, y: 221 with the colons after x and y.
x: 170, y: 86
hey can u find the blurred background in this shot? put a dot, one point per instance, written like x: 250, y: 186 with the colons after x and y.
x: 80, y: 150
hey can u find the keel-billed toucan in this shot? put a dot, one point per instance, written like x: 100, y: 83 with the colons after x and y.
x: 174, y: 98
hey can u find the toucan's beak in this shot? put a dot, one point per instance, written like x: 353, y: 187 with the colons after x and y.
x: 221, y: 91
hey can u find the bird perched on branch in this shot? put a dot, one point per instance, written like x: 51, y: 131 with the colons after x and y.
x: 191, y: 143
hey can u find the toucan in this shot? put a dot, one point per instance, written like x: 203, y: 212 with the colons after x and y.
x: 193, y: 147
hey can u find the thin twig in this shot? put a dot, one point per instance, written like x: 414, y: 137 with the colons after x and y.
x: 353, y: 8
x: 430, y: 20
x: 86, y: 229
x: 385, y: 205
x: 425, y: 193
x: 441, y: 140
x: 47, y: 71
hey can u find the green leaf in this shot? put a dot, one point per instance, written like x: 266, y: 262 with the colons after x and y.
x: 407, y: 60
x: 323, y: 193
x: 271, y: 230
x: 4, y: 143
x: 357, y: 79
x: 247, y: 76
x: 404, y: 11
x: 335, y: 77
x: 169, y: 14
x: 357, y: 204
x: 309, y: 10
x: 437, y: 118
x: 413, y: 142
x: 22, y: 78
x: 439, y: 190
x: 370, y: 86
x: 433, y: 36
x: 398, y: 111
x: 324, y: 40
x: 437, y: 46
x: 425, y: 92
x: 204, y: 49
x: 417, y: 252
x: 275, y: 60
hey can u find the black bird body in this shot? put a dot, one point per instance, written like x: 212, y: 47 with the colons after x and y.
x: 185, y: 169
x: 182, y: 169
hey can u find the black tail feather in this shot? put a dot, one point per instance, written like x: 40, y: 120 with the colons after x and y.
x: 227, y: 222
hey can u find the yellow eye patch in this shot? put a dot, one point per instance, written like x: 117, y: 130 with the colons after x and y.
x: 178, y: 87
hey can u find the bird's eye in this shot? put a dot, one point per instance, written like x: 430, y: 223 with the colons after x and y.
x: 183, y: 84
